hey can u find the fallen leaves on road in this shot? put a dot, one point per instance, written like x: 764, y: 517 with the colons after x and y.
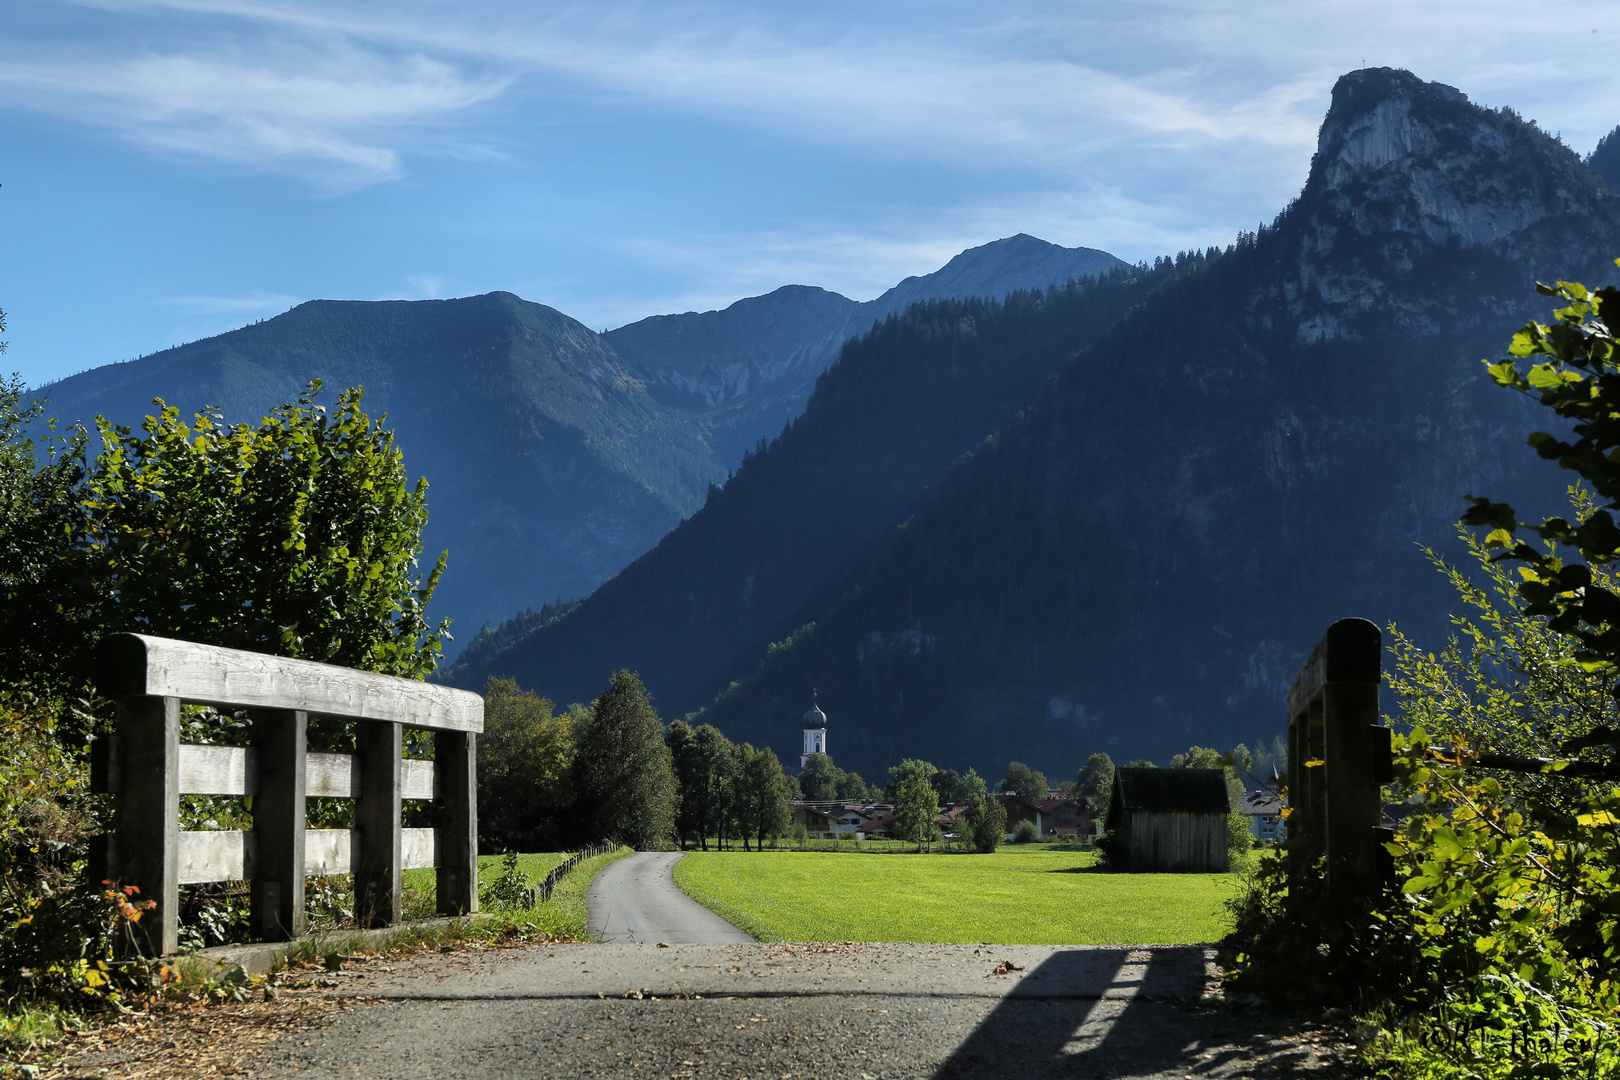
x: 1007, y: 966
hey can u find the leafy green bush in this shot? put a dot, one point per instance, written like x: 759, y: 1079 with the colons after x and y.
x: 1025, y: 832
x: 512, y: 890
x: 985, y: 824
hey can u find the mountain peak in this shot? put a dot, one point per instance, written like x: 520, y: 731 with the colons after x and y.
x: 1400, y: 154
x: 996, y: 269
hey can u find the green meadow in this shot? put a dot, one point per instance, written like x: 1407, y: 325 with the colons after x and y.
x: 1033, y: 894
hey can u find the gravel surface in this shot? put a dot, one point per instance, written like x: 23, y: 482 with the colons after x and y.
x: 682, y: 994
x: 636, y: 900
x: 768, y: 1012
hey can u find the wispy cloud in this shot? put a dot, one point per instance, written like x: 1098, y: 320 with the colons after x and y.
x: 334, y: 113
x: 349, y: 86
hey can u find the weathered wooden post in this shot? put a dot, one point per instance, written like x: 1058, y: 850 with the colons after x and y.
x: 456, y: 768
x: 376, y: 817
x: 281, y: 737
x: 1339, y: 756
x: 148, y: 837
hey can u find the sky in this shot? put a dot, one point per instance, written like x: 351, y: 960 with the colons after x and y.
x: 171, y: 169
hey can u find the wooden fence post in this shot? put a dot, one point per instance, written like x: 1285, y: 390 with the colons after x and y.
x: 281, y: 737
x: 1333, y: 720
x: 456, y: 767
x: 378, y: 745
x: 148, y: 837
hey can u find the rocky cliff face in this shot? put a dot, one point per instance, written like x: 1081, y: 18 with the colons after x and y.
x: 1141, y: 559
x: 1405, y: 169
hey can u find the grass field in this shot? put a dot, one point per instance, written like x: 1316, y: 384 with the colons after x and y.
x: 564, y: 913
x: 1020, y: 895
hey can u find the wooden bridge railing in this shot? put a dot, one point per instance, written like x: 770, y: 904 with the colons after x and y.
x: 148, y: 769
x: 1339, y: 759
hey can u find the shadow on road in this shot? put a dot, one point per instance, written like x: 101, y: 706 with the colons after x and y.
x: 1068, y: 1018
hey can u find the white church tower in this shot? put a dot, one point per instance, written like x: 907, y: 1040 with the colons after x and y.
x: 815, y: 732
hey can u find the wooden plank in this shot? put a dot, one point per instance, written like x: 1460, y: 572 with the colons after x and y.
x: 1350, y: 652
x: 418, y: 848
x: 233, y: 855
x: 148, y: 840
x: 332, y: 775
x: 457, y: 878
x: 218, y: 855
x: 134, y: 665
x: 281, y: 742
x: 376, y: 816
x: 218, y: 770
x: 419, y: 779
x: 328, y: 851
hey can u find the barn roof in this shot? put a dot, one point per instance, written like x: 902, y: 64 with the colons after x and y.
x: 1192, y: 791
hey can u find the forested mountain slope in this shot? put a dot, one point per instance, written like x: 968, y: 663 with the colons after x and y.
x: 751, y: 367
x: 549, y: 464
x: 554, y: 457
x: 1143, y: 557
x: 796, y: 523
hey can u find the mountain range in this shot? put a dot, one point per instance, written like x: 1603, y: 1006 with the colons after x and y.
x: 1116, y: 516
x: 554, y: 455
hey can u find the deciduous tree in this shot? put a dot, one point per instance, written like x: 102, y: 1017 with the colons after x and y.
x: 985, y: 824
x: 916, y: 802
x: 761, y: 807
x: 297, y: 535
x: 524, y: 767
x: 1095, y: 784
x: 624, y: 785
x: 1023, y: 781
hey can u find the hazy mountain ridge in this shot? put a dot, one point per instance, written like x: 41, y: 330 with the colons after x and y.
x: 1142, y: 558
x: 548, y: 461
x: 554, y: 459
x: 753, y: 365
x: 794, y: 526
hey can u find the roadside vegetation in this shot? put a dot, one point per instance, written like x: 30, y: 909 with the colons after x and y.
x: 1022, y: 894
x: 1494, y: 952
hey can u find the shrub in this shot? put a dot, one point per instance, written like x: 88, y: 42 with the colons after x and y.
x: 1239, y: 838
x: 1025, y: 832
x: 985, y: 824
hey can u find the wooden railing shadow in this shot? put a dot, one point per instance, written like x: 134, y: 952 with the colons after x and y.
x: 1089, y: 1012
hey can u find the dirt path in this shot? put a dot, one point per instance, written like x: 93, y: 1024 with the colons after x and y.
x: 636, y: 900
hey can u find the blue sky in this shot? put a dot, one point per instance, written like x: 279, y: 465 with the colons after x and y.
x: 174, y: 169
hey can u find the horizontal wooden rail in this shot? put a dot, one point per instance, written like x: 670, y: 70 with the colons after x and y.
x: 232, y: 855
x: 138, y: 665
x: 234, y: 770
x: 1555, y: 767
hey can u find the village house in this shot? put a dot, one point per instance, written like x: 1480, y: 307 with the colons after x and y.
x: 1065, y: 817
x: 832, y: 820
x: 1264, y: 811
x: 1051, y: 817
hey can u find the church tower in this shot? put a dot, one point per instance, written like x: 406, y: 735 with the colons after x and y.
x: 815, y: 732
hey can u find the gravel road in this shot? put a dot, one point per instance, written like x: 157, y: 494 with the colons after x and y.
x: 653, y: 1003
x: 636, y: 900
x: 792, y: 1012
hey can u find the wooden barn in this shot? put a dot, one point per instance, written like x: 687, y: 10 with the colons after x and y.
x: 1170, y: 819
